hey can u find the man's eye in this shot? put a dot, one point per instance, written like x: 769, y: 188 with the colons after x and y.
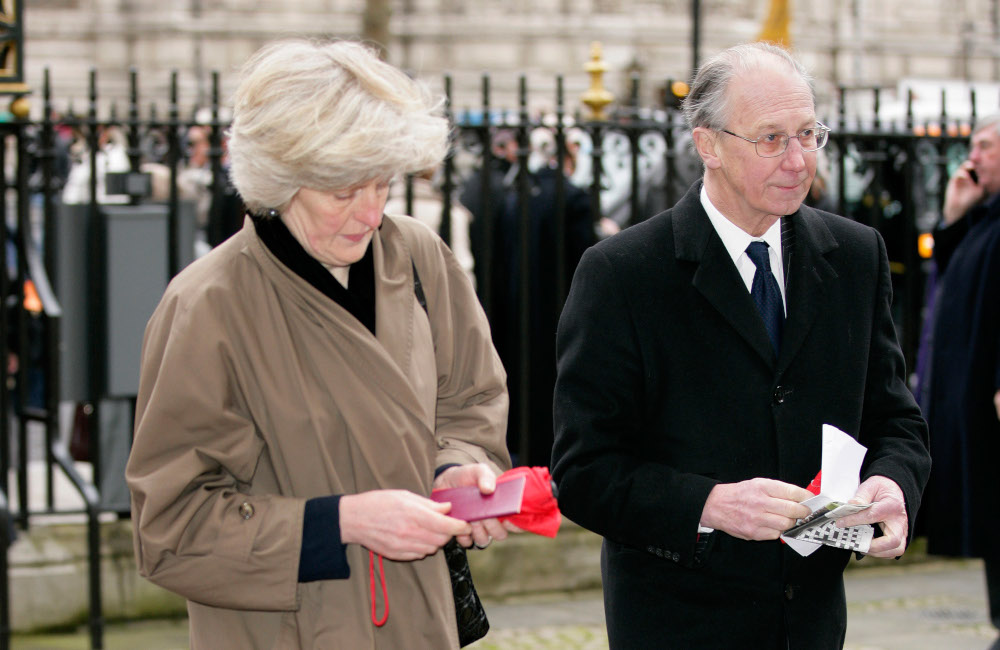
x: 771, y: 138
x: 807, y: 133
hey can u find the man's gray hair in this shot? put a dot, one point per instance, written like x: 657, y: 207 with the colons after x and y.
x: 327, y: 115
x: 993, y: 119
x: 707, y: 104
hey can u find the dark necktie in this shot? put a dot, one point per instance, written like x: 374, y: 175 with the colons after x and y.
x: 766, y: 293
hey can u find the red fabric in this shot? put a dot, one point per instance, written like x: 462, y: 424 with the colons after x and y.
x: 814, y: 486
x: 539, y: 509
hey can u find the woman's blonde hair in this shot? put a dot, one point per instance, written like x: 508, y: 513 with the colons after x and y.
x: 327, y: 115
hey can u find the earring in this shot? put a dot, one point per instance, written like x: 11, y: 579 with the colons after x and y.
x: 271, y: 213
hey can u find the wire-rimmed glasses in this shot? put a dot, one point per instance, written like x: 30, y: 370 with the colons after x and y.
x: 771, y: 145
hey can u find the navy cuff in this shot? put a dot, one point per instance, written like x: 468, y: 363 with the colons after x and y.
x: 323, y: 556
x: 441, y: 469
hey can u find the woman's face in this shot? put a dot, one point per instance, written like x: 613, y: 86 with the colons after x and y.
x: 336, y: 227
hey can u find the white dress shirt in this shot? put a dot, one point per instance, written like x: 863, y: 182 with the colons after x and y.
x: 736, y: 241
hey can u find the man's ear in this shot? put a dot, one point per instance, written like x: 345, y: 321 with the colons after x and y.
x: 705, y: 141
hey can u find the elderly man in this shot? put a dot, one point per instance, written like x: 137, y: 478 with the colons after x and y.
x: 962, y: 403
x: 700, y: 354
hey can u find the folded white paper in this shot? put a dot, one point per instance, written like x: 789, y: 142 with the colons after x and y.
x: 839, y: 480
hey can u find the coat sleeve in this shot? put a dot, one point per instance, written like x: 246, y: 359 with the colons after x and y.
x: 198, y: 532
x: 892, y: 427
x: 606, y: 483
x: 471, y: 420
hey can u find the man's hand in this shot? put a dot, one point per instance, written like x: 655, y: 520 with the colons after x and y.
x: 397, y: 524
x: 758, y: 509
x: 888, y: 511
x: 485, y: 530
x: 961, y: 194
x: 996, y: 402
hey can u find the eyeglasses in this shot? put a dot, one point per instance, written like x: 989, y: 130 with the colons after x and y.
x: 771, y: 145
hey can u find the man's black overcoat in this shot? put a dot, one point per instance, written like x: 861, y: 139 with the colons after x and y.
x: 667, y: 385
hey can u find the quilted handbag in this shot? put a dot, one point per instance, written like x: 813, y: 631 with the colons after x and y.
x: 472, y: 622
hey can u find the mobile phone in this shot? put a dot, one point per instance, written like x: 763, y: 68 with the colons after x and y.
x: 974, y: 176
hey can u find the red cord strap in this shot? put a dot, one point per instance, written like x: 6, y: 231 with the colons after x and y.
x: 379, y: 622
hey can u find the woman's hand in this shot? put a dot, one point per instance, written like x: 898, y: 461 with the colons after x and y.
x: 398, y: 524
x: 485, y: 530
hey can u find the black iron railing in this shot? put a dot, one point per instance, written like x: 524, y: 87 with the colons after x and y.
x: 6, y: 531
x: 529, y: 178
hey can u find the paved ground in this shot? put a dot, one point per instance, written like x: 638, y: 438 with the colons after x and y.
x: 931, y: 606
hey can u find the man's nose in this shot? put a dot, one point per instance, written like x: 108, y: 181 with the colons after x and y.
x: 794, y: 157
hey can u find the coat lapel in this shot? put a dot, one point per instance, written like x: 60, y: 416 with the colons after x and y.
x: 399, y: 316
x: 805, y: 242
x: 383, y: 360
x: 808, y: 276
x: 716, y: 277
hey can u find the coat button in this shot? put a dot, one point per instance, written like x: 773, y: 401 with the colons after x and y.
x: 246, y: 510
x: 789, y: 592
x: 779, y: 395
x: 677, y: 557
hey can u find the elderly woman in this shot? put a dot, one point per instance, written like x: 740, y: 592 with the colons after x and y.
x: 306, y: 384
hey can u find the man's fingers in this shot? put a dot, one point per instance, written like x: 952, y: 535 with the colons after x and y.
x: 891, y: 544
x: 787, y: 491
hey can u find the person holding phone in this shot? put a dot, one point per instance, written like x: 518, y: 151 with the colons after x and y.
x: 962, y: 401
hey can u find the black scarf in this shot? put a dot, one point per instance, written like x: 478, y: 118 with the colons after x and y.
x: 359, y: 296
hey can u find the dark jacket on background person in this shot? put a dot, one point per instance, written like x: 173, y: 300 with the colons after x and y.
x: 542, y: 299
x: 958, y: 516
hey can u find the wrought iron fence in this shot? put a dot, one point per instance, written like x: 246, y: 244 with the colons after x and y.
x: 538, y: 188
x: 6, y: 534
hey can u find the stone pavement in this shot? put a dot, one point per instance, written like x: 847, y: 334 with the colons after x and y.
x: 934, y: 605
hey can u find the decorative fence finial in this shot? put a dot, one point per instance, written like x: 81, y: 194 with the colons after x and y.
x: 597, y: 96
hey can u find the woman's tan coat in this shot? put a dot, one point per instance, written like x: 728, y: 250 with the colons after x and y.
x: 258, y: 392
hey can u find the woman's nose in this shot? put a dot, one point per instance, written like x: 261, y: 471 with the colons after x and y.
x: 372, y: 206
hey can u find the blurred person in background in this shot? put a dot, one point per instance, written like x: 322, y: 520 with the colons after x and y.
x: 428, y: 202
x: 962, y: 396
x: 476, y: 196
x: 540, y: 294
x: 111, y: 157
x: 306, y: 384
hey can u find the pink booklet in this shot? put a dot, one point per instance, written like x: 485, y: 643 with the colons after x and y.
x: 469, y: 504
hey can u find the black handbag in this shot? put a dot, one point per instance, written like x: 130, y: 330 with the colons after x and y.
x: 472, y: 622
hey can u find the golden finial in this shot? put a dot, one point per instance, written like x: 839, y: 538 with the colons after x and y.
x: 597, y: 96
x: 20, y: 107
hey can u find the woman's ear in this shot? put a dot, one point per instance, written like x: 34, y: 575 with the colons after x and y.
x: 705, y: 143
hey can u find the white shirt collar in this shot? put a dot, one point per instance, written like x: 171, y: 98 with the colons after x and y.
x: 736, y: 239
